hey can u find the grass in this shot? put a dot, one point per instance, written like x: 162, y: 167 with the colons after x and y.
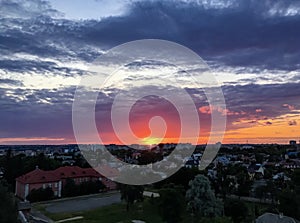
x: 117, y: 213
x: 112, y: 214
x: 145, y: 211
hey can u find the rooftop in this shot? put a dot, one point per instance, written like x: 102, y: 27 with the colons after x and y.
x: 41, y: 176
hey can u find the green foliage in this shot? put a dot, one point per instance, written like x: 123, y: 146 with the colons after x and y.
x: 289, y: 204
x: 113, y: 214
x: 223, y: 184
x: 15, y: 166
x: 261, y: 191
x: 244, y: 182
x: 236, y: 209
x: 91, y: 187
x: 135, y: 174
x: 296, y: 181
x: 215, y: 220
x: 180, y: 178
x: 149, y: 157
x: 40, y: 194
x: 72, y: 189
x: 201, y: 198
x: 8, y: 209
x: 41, y: 161
x: 131, y: 193
x: 171, y: 204
x: 259, y: 157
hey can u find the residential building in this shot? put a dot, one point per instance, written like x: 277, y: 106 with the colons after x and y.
x: 274, y: 218
x: 56, y: 179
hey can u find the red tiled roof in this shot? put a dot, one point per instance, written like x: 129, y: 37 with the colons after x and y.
x: 75, y: 172
x: 38, y: 176
x: 41, y: 176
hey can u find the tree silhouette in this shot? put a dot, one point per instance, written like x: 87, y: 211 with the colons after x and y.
x: 131, y: 193
x: 236, y: 209
x: 171, y: 204
x: 8, y: 209
x: 201, y: 198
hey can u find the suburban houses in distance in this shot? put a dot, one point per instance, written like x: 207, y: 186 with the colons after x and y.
x: 255, y: 173
x: 252, y: 157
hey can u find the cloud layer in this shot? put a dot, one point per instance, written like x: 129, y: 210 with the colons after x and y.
x: 252, y: 46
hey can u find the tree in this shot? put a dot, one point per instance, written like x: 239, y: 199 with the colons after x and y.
x: 9, y: 169
x: 244, y: 183
x: 42, y: 161
x: 272, y: 190
x: 180, y: 178
x: 15, y: 166
x: 296, y: 181
x: 70, y: 189
x: 289, y: 204
x: 223, y: 184
x: 40, y: 194
x: 259, y: 157
x: 216, y: 220
x: 131, y: 193
x: 236, y: 209
x: 91, y: 187
x: 149, y: 157
x: 261, y: 191
x: 171, y: 204
x: 8, y: 208
x: 201, y: 198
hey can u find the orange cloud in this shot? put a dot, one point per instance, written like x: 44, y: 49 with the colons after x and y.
x: 290, y: 107
x: 209, y: 109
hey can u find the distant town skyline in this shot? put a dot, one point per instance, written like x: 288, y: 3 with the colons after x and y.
x: 252, y: 48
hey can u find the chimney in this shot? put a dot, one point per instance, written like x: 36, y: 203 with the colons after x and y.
x: 36, y: 167
x: 280, y: 215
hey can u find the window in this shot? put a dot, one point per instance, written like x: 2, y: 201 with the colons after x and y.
x: 44, y: 186
x: 55, y: 193
x: 50, y: 185
x: 56, y: 185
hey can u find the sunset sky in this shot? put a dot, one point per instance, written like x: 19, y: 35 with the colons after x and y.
x: 251, y: 46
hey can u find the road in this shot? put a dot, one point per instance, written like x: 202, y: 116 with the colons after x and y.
x: 251, y: 199
x: 82, y: 203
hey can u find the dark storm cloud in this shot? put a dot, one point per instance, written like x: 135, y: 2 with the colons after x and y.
x: 241, y: 35
x: 260, y: 34
x: 36, y: 113
x: 21, y: 66
x: 253, y: 100
x: 34, y: 109
x: 26, y: 9
x: 269, y: 98
x: 11, y: 82
x: 45, y: 37
x: 253, y: 103
x: 251, y: 35
x: 41, y: 113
